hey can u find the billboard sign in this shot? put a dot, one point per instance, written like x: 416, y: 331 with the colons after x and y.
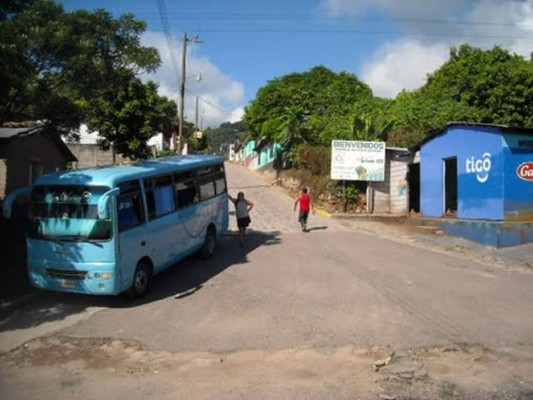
x: 357, y: 160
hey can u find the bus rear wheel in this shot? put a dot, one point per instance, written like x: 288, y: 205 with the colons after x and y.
x: 141, y: 281
x: 208, y: 249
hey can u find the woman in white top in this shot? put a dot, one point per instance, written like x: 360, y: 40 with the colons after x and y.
x: 242, y: 209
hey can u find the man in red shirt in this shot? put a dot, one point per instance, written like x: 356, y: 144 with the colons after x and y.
x: 305, y: 206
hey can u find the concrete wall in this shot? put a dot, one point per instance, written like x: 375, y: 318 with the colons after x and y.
x: 390, y: 195
x: 89, y: 155
x: 253, y: 160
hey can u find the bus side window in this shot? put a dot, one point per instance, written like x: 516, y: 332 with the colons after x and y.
x: 185, y: 188
x: 129, y: 206
x: 159, y: 196
x: 207, y: 189
x: 220, y: 181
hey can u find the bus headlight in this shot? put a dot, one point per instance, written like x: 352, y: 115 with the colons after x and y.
x: 101, y: 275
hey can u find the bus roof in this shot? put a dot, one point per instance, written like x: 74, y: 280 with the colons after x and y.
x: 111, y: 175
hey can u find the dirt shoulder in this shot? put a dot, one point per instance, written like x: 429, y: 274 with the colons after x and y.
x: 63, y: 365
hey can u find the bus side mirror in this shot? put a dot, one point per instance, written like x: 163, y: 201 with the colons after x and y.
x: 103, y: 203
x: 7, y: 207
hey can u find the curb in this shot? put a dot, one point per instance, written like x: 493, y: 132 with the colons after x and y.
x: 322, y: 212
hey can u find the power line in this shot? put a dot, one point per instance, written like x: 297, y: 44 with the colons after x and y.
x: 213, y: 104
x: 170, y: 44
x: 311, y: 18
x: 357, y: 31
x: 166, y: 29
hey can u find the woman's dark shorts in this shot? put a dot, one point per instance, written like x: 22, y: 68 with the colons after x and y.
x: 243, y: 222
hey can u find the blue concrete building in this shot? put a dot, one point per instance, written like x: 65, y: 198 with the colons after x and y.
x: 479, y: 179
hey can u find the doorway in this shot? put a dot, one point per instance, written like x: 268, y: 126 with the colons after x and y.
x: 413, y: 180
x: 450, y: 186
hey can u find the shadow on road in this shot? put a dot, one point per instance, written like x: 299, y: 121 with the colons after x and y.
x: 181, y: 280
x: 317, y: 228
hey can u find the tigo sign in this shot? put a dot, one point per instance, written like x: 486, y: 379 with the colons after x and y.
x: 480, y: 167
x: 525, y: 171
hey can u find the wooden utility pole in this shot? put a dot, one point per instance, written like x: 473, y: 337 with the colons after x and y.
x: 182, y: 93
x: 186, y: 40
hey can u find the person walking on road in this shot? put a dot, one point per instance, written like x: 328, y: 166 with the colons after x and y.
x: 305, y: 206
x: 242, y: 212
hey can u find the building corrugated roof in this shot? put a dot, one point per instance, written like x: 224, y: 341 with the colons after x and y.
x: 6, y: 133
x: 10, y: 133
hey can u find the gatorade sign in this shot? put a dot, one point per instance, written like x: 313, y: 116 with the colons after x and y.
x: 525, y: 171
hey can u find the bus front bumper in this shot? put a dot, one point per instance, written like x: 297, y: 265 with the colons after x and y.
x: 99, y: 281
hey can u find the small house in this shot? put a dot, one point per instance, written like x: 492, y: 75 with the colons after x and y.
x: 479, y: 172
x: 26, y: 153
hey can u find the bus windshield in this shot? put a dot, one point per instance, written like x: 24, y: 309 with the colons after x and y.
x: 68, y: 213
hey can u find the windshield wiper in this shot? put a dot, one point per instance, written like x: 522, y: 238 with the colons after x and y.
x: 74, y: 238
x: 54, y: 239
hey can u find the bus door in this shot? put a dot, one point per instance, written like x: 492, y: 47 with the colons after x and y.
x: 187, y: 199
x: 162, y: 220
x: 132, y: 231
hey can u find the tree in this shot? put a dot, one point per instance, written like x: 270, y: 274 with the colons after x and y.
x: 368, y: 128
x: 415, y: 116
x: 127, y: 116
x: 219, y: 139
x: 300, y: 107
x: 495, y: 82
x: 61, y: 67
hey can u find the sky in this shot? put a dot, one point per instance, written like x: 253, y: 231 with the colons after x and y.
x: 391, y: 45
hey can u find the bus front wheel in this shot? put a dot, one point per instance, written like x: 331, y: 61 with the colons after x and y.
x: 208, y: 249
x: 141, y: 280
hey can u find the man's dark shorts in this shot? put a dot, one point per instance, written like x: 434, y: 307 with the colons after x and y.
x: 302, y: 216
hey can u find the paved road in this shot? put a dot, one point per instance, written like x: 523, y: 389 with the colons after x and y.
x: 305, y: 301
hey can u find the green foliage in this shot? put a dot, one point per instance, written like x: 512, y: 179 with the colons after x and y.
x: 351, y: 194
x: 369, y: 128
x: 219, y: 139
x: 63, y: 67
x: 303, y: 107
x: 414, y: 116
x: 498, y: 84
x: 315, y: 159
x: 126, y: 116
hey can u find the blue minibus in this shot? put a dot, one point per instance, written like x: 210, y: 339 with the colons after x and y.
x: 108, y: 230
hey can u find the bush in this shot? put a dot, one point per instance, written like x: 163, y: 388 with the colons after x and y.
x: 296, y: 179
x: 317, y: 160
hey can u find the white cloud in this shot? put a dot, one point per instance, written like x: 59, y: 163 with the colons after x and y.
x: 405, y: 63
x: 403, y: 8
x: 508, y: 24
x: 220, y: 96
x: 402, y: 65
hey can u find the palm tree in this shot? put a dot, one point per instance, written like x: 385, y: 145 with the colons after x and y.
x: 292, y: 133
x: 368, y: 128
